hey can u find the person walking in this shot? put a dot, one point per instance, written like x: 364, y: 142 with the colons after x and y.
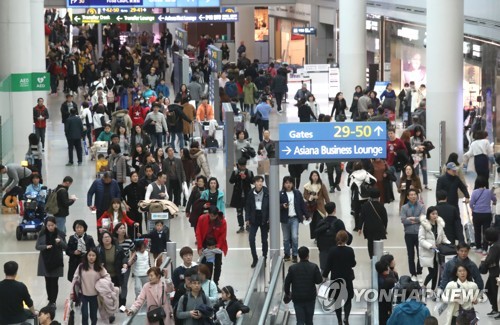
x: 264, y: 109
x: 78, y: 246
x: 409, y: 181
x: 410, y: 217
x: 242, y: 179
x: 490, y: 265
x: 73, y: 129
x: 453, y: 228
x: 173, y: 168
x: 156, y: 119
x: 279, y: 88
x: 316, y: 196
x: 40, y: 117
x: 373, y: 221
x: 480, y: 203
x: 450, y: 183
x: 103, y: 190
x: 482, y: 151
x: 64, y: 201
x: 51, y: 243
x: 302, y: 279
x: 461, y: 286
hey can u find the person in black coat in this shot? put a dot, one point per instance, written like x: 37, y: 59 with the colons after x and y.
x: 386, y: 281
x: 66, y: 107
x: 343, y: 270
x: 339, y: 106
x: 176, y: 129
x: 160, y: 236
x: 490, y: 265
x: 453, y: 228
x: 78, y: 246
x: 119, y: 260
x: 234, y: 307
x: 242, y: 179
x: 450, y: 183
x: 358, y: 93
x: 73, y: 129
x: 279, y: 87
x: 373, y: 220
x: 131, y: 195
x: 257, y: 216
x: 304, y: 111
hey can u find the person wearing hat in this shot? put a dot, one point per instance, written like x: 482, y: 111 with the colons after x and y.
x: 302, y: 93
x: 265, y: 110
x: 78, y: 246
x: 242, y: 179
x: 373, y: 222
x: 450, y: 183
x: 157, y: 119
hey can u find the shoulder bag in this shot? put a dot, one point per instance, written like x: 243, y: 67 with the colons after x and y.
x: 378, y: 215
x: 157, y: 313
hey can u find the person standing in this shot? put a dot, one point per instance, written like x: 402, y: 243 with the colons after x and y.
x: 104, y: 189
x: 266, y: 150
x: 40, y: 117
x: 453, y: 228
x: 257, y: 216
x: 316, y: 196
x: 279, y: 87
x: 63, y: 203
x: 51, y: 243
x: 66, y: 107
x: 302, y: 279
x: 344, y: 270
x: 172, y: 167
x: 73, y: 129
x: 292, y: 212
x: 242, y: 179
x: 265, y: 110
x: 410, y: 217
x: 373, y: 221
x: 480, y: 203
x: 490, y: 266
x: 450, y: 183
x: 157, y: 119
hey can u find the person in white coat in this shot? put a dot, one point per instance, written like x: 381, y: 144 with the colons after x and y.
x: 459, y: 297
x: 430, y: 236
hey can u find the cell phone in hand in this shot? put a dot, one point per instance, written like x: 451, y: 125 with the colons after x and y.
x: 123, y: 308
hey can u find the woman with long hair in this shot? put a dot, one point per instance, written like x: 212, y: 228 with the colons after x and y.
x: 127, y: 244
x: 198, y: 187
x: 461, y: 294
x: 188, y: 165
x: 316, y: 196
x: 339, y: 106
x: 124, y: 140
x: 138, y: 136
x: 249, y: 91
x: 419, y: 155
x: 358, y: 178
x: 358, y: 93
x: 228, y: 301
x: 131, y: 195
x: 409, y: 181
x: 159, y: 157
x: 51, y: 243
x: 113, y: 216
x: 214, y: 195
x: 112, y: 257
x: 139, y: 157
x: 344, y: 270
x: 480, y: 203
x: 482, y: 151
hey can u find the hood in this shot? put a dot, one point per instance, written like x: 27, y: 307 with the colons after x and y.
x: 122, y: 112
x: 359, y: 175
x: 195, y: 152
x: 427, y: 225
x: 412, y: 307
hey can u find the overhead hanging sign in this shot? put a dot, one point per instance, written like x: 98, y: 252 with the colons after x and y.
x: 147, y: 18
x: 142, y: 3
x: 332, y: 141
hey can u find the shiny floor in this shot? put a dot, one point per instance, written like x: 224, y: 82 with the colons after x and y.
x: 236, y: 269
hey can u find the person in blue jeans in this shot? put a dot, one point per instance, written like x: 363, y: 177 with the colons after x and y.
x: 264, y: 108
x: 157, y: 119
x: 292, y: 212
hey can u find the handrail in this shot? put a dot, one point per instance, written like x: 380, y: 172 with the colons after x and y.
x: 258, y: 279
x: 276, y: 271
x: 372, y: 317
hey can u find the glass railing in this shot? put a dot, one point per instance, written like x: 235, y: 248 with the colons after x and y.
x: 274, y: 310
x: 255, y: 295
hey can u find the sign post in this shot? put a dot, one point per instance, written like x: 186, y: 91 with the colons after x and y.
x: 215, y: 57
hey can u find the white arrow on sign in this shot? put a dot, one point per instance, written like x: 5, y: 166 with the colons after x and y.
x: 287, y: 151
x: 201, y: 17
x: 119, y: 18
x: 160, y: 18
x: 378, y: 129
x: 77, y: 18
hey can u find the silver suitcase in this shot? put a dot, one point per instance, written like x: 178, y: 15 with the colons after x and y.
x: 469, y: 229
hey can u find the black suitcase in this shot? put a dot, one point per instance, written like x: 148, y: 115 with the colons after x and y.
x: 212, y: 143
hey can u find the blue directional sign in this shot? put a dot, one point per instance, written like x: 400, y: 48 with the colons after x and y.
x: 142, y: 3
x: 324, y: 141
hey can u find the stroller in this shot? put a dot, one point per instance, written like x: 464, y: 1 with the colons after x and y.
x: 32, y: 215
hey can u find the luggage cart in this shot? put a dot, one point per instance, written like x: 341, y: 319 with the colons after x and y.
x: 153, y: 217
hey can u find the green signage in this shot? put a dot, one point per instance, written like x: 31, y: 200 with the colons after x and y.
x: 35, y: 81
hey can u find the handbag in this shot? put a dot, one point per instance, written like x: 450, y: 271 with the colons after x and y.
x: 158, y: 313
x: 467, y: 316
x: 446, y: 249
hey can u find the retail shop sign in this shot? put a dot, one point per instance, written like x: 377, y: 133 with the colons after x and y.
x: 332, y: 141
x: 35, y: 81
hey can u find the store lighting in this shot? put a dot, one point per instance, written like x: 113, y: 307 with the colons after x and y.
x: 409, y: 33
x: 476, y: 50
x: 466, y: 48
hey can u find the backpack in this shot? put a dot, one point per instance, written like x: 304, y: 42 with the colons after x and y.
x: 120, y: 121
x: 172, y: 118
x: 197, y: 168
x: 51, y: 207
x: 231, y: 89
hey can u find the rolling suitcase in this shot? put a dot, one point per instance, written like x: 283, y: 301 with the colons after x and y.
x: 469, y: 229
x: 212, y: 143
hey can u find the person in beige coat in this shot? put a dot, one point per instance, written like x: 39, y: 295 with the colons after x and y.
x: 123, y: 114
x: 190, y: 112
x: 199, y: 156
x: 316, y: 196
x: 430, y: 236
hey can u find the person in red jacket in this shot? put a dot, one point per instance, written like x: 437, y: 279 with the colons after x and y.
x: 40, y: 117
x: 113, y: 216
x: 137, y: 113
x: 394, y: 147
x: 212, y: 225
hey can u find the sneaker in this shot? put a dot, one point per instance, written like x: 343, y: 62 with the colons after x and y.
x: 241, y: 230
x: 294, y: 259
x: 492, y: 313
x: 337, y: 187
x: 414, y: 278
x: 69, y: 164
x: 497, y: 317
x: 286, y: 258
x: 332, y: 189
x: 279, y: 112
x: 52, y: 305
x: 254, y: 264
x: 428, y: 188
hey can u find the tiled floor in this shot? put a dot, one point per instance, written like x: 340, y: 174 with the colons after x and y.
x: 236, y: 269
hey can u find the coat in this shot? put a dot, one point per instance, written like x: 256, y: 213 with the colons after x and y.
x: 119, y: 260
x: 75, y: 260
x: 248, y: 93
x: 322, y: 199
x: 106, y: 215
x: 43, y: 112
x: 374, y: 220
x: 426, y: 240
x: 73, y: 128
x: 118, y: 165
x: 241, y: 188
x: 219, y: 231
x: 452, y: 289
x: 250, y: 209
x: 200, y: 158
x: 126, y: 118
x: 107, y: 296
x: 359, y: 177
x: 63, y: 201
x: 299, y: 204
x: 190, y: 113
x: 152, y: 295
x: 181, y: 118
x: 453, y: 228
x: 451, y: 184
x: 179, y: 169
x: 42, y: 246
x: 97, y: 190
x: 279, y: 84
x: 220, y: 199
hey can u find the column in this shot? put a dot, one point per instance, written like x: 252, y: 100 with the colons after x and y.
x: 352, y: 46
x: 445, y: 29
x: 16, y: 50
x: 244, y: 31
x: 38, y: 44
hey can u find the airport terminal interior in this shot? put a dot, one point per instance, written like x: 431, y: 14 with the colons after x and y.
x: 295, y: 36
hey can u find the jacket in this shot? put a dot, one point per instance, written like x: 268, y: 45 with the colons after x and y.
x: 359, y: 177
x: 73, y: 128
x: 106, y: 215
x: 97, y: 189
x: 451, y: 184
x: 279, y: 84
x: 158, y: 240
x: 117, y: 163
x: 179, y: 169
x: 410, y: 312
x: 220, y: 200
x: 461, y: 290
x: 322, y: 199
x: 40, y: 111
x: 248, y: 93
x: 305, y: 113
x: 303, y: 278
x: 152, y: 295
x: 471, y: 266
x: 63, y: 201
x: 41, y: 245
x: 180, y: 118
x: 219, y: 231
x: 195, y: 90
x: 15, y: 174
x: 124, y: 114
x: 65, y: 110
x: 426, y: 240
x: 144, y: 138
x: 241, y: 187
x: 191, y: 304
x: 205, y: 112
x: 119, y: 259
x: 159, y: 119
x: 137, y: 115
x: 73, y: 245
x: 491, y: 263
x: 299, y: 204
x: 250, y: 209
x: 374, y: 220
x: 408, y: 211
x: 232, y: 308
x: 200, y: 158
x: 190, y: 112
x: 453, y: 228
x: 107, y: 296
x: 325, y: 236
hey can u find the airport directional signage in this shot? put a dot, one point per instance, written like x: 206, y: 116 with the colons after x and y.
x: 304, y: 30
x: 145, y: 18
x: 327, y: 141
x: 142, y: 3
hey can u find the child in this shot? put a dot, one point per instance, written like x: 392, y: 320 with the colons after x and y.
x: 209, y: 253
x: 106, y: 134
x: 101, y: 164
x: 140, y: 265
x: 186, y: 254
x: 113, y: 216
x: 159, y: 238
